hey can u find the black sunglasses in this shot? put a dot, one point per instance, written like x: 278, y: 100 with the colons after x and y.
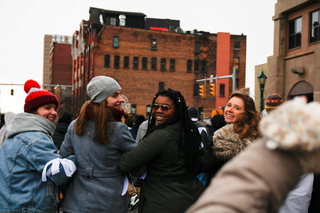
x: 164, y: 108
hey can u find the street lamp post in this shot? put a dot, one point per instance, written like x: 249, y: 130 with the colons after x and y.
x: 262, y: 81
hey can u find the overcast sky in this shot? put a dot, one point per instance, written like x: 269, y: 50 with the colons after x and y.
x: 24, y: 23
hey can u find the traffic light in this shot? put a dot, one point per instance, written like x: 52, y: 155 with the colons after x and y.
x: 213, y: 89
x: 201, y: 91
x: 12, y: 92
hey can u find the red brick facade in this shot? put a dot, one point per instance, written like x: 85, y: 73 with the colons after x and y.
x: 140, y: 84
x: 60, y: 72
x: 60, y: 64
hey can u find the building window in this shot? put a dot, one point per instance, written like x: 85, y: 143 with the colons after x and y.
x: 62, y: 39
x: 222, y: 90
x: 237, y: 83
x: 172, y: 64
x: 154, y: 63
x: 295, y: 33
x: 236, y: 62
x: 196, y: 65
x: 58, y: 39
x: 69, y: 39
x: 154, y: 44
x: 135, y: 62
x: 116, y: 61
x: 54, y: 38
x: 236, y: 45
x: 196, y: 90
x: 106, y: 60
x: 101, y: 19
x: 200, y: 113
x: 126, y: 62
x: 145, y: 63
x: 163, y: 64
x: 197, y: 45
x: 161, y: 86
x: 189, y: 66
x: 203, y: 66
x: 77, y: 41
x: 315, y: 26
x: 134, y: 108
x: 113, y: 21
x: 115, y: 41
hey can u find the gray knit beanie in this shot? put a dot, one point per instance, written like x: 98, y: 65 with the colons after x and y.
x: 101, y: 87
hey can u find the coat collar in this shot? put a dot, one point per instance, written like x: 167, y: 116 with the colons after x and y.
x: 227, y: 144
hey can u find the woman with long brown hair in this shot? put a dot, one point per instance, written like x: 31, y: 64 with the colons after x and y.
x: 242, y: 128
x: 98, y: 138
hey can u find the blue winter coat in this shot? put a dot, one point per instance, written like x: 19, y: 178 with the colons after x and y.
x: 59, y: 133
x: 22, y: 158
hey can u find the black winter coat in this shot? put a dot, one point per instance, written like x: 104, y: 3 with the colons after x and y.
x: 226, y: 145
x: 58, y: 135
x: 165, y: 188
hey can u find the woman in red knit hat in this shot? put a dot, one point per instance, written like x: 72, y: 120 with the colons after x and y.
x: 30, y: 168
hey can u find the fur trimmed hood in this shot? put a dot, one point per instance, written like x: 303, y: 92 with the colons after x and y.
x: 227, y: 144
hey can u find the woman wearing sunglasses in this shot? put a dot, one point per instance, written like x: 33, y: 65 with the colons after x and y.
x: 171, y: 152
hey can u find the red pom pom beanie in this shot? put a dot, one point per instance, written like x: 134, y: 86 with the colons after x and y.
x: 37, y: 97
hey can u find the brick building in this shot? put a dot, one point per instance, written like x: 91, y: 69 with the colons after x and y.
x: 147, y: 55
x: 294, y: 67
x: 60, y: 73
x: 48, y: 40
x: 57, y: 68
x: 60, y: 64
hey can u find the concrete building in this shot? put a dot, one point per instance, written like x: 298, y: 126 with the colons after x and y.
x: 294, y: 67
x: 146, y: 55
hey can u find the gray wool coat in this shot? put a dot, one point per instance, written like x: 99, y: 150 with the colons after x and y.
x: 98, y: 181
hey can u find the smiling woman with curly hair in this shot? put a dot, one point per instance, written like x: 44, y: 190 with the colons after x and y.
x: 242, y: 128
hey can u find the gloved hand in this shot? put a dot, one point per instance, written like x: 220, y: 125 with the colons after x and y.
x: 295, y: 127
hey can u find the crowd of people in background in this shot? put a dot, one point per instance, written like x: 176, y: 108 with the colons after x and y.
x: 108, y: 160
